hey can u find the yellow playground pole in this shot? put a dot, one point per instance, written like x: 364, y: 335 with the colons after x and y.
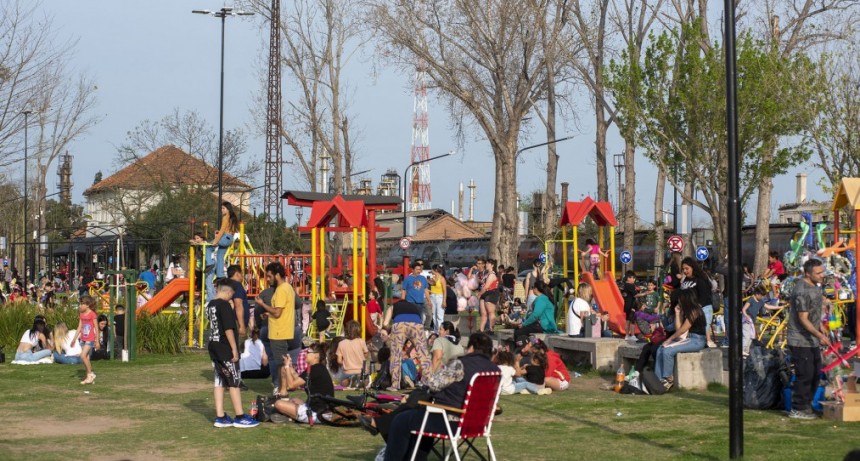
x: 314, y: 266
x: 363, y: 268
x: 563, y: 251
x: 242, y: 251
x: 575, y: 230
x: 354, y: 274
x: 322, y: 263
x: 612, y: 250
x: 600, y: 241
x: 192, y: 265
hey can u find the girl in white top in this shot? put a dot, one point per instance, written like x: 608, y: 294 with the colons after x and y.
x: 66, y: 349
x: 254, y: 363
x: 505, y: 362
x: 34, y: 344
x: 578, y: 309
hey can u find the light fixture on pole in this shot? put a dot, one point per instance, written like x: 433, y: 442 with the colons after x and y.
x: 222, y: 14
x: 406, y: 175
x: 300, y: 211
x: 27, y: 263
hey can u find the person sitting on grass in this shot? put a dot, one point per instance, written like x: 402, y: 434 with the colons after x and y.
x: 66, y: 350
x: 103, y: 337
x: 351, y: 354
x: 254, y: 362
x: 556, y: 376
x: 530, y: 379
x: 446, y: 346
x: 34, y: 344
x: 316, y: 381
x: 224, y: 352
x: 505, y: 360
x: 690, y: 319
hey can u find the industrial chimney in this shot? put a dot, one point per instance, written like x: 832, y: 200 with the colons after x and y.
x: 801, y: 188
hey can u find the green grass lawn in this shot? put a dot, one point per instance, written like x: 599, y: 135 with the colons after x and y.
x: 160, y: 407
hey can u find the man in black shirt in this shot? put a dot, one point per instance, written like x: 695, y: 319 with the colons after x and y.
x: 224, y: 352
x: 240, y: 299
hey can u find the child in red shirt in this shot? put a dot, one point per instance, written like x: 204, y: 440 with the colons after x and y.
x: 86, y: 332
x: 374, y: 309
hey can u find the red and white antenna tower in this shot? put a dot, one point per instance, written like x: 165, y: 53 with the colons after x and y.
x: 419, y: 183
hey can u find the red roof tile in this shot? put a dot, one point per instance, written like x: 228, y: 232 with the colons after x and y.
x: 167, y: 165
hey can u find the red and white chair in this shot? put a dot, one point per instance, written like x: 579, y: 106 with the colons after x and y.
x: 473, y: 420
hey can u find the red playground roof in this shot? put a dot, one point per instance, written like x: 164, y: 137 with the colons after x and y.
x: 576, y: 212
x: 349, y: 213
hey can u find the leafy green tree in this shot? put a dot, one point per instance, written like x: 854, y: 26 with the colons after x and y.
x: 61, y: 220
x: 270, y: 236
x: 682, y: 110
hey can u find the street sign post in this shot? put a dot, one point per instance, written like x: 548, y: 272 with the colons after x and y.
x: 625, y: 257
x: 702, y: 253
x: 675, y: 243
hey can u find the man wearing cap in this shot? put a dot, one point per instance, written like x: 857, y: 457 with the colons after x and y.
x: 417, y: 290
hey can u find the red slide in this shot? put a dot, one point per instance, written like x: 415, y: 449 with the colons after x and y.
x: 608, y: 297
x: 168, y: 294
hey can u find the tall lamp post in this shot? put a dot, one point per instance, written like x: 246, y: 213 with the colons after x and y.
x: 222, y: 14
x: 406, y: 175
x: 27, y: 264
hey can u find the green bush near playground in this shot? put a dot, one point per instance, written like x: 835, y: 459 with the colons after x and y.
x: 157, y: 334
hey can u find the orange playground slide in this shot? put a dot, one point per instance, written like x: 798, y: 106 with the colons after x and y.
x: 168, y: 294
x: 608, y: 297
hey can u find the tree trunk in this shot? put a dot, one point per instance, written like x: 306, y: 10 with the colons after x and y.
x: 685, y: 203
x: 503, y: 241
x: 550, y: 219
x: 629, y: 203
x: 602, y: 125
x: 762, y: 231
x: 659, y: 224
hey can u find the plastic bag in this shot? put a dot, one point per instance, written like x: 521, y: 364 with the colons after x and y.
x: 762, y: 383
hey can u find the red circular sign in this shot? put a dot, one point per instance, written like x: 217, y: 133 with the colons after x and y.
x: 675, y: 243
x: 405, y: 242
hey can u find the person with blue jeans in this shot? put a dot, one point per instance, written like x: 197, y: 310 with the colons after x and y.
x: 66, y: 350
x: 694, y: 279
x: 690, y: 319
x: 34, y: 344
x: 222, y: 240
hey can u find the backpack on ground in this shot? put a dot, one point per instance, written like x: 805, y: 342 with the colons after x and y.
x: 652, y: 383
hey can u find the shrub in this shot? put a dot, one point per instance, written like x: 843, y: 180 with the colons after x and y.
x: 161, y: 333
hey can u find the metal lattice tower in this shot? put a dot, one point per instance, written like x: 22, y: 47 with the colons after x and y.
x: 274, y: 182
x: 65, y: 174
x: 419, y: 183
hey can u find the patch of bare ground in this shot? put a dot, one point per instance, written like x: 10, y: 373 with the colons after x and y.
x: 54, y: 427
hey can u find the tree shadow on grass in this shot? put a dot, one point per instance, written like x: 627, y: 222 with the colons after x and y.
x: 710, y: 398
x: 360, y: 455
x: 635, y: 437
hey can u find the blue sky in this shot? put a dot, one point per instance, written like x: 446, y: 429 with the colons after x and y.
x: 148, y: 58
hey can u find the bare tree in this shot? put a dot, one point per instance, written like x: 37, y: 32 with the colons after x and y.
x: 319, y: 38
x: 485, y: 60
x: 836, y: 134
x: 592, y: 28
x: 633, y: 19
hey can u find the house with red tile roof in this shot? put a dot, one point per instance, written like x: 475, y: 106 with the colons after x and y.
x: 139, y: 186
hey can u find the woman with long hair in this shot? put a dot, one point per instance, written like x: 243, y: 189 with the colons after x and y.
x: 689, y: 319
x: 489, y: 297
x: 66, y: 351
x: 254, y: 362
x: 34, y: 344
x: 223, y: 239
x: 695, y: 280
x: 446, y: 346
x: 579, y: 309
x: 542, y: 317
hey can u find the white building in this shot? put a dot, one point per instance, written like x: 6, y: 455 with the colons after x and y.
x: 136, y: 188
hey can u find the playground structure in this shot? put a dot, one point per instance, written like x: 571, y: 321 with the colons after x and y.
x: 351, y: 215
x: 108, y: 295
x: 605, y: 290
x: 848, y: 196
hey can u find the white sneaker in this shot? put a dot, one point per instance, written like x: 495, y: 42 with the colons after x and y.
x: 545, y: 391
x: 525, y: 392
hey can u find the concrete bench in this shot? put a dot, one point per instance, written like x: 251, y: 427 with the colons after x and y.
x: 508, y: 334
x: 693, y: 370
x: 600, y: 353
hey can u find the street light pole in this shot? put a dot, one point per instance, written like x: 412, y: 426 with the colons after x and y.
x: 406, y: 175
x: 26, y: 200
x: 541, y: 144
x: 222, y: 14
